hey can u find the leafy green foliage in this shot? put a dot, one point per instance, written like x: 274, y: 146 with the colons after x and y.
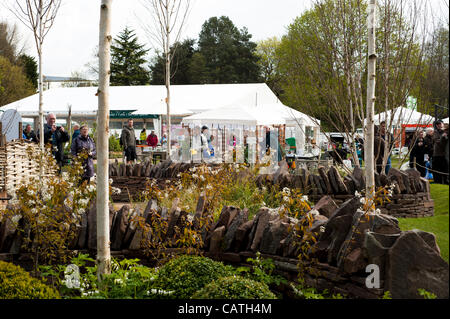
x: 234, y: 287
x: 261, y: 271
x: 114, y: 144
x: 386, y: 295
x: 304, y: 292
x: 181, y: 54
x: 30, y: 68
x: 229, y: 54
x: 186, y: 274
x: 14, y: 85
x: 127, y: 280
x: 426, y: 294
x: 16, y: 283
x: 224, y: 54
x: 47, y: 212
x: 127, y: 59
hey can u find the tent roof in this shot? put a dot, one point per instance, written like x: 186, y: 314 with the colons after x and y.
x: 195, y: 98
x: 237, y: 114
x: 150, y: 99
x: 402, y: 115
x: 160, y: 107
x: 262, y: 114
x: 292, y: 116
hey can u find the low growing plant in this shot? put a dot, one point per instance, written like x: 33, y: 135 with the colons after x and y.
x: 234, y: 287
x: 16, y: 283
x: 184, y: 275
x: 261, y: 271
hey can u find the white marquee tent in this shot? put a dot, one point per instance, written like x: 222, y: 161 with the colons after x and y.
x: 150, y: 98
x: 237, y: 115
x: 402, y: 115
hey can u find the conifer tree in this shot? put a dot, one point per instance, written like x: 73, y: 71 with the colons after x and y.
x: 127, y: 60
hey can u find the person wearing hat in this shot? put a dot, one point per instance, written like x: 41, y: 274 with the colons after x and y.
x: 440, y: 166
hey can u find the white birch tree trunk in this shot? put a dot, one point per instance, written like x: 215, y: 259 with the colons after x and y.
x: 103, y: 240
x: 41, y: 115
x: 167, y: 55
x: 369, y: 129
x: 41, y: 93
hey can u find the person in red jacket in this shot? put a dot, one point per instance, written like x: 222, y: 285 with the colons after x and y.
x: 152, y: 139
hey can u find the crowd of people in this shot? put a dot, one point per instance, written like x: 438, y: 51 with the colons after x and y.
x: 429, y: 152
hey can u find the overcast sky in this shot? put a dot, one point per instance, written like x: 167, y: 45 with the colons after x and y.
x: 74, y: 36
x: 72, y: 40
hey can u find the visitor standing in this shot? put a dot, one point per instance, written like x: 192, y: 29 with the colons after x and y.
x: 378, y: 149
x: 55, y: 136
x: 428, y: 140
x: 143, y: 136
x: 210, y: 145
x: 29, y: 135
x: 84, y: 144
x: 164, y: 140
x: 387, y: 138
x: 204, y: 142
x: 128, y: 139
x: 76, y: 131
x: 417, y: 154
x: 152, y: 139
x: 440, y: 139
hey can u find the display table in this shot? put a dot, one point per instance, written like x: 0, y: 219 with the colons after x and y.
x: 154, y: 154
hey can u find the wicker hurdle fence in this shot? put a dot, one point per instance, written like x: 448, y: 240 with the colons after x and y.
x: 16, y: 164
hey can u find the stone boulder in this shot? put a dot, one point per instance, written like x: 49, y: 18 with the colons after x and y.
x: 350, y: 261
x: 226, y: 216
x: 336, y: 181
x: 215, y: 246
x: 326, y: 206
x: 92, y: 224
x: 119, y: 227
x: 238, y: 220
x: 336, y: 230
x: 414, y: 180
x: 282, y: 170
x: 323, y: 175
x: 131, y: 228
x: 83, y: 232
x: 262, y: 219
x: 275, y: 231
x: 358, y: 176
x: 411, y: 265
x: 401, y: 178
x: 242, y: 235
x: 376, y: 247
x: 7, y: 231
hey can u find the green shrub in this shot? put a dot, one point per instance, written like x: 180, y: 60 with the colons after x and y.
x: 234, y: 287
x: 16, y: 283
x: 186, y: 274
x: 114, y: 144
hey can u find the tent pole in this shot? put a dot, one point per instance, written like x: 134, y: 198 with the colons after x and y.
x: 257, y: 145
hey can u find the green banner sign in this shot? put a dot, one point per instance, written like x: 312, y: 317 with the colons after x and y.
x: 121, y: 114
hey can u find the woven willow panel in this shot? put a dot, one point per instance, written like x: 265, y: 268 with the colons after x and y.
x: 18, y: 165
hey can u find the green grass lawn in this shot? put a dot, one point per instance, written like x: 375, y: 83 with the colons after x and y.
x: 439, y: 223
